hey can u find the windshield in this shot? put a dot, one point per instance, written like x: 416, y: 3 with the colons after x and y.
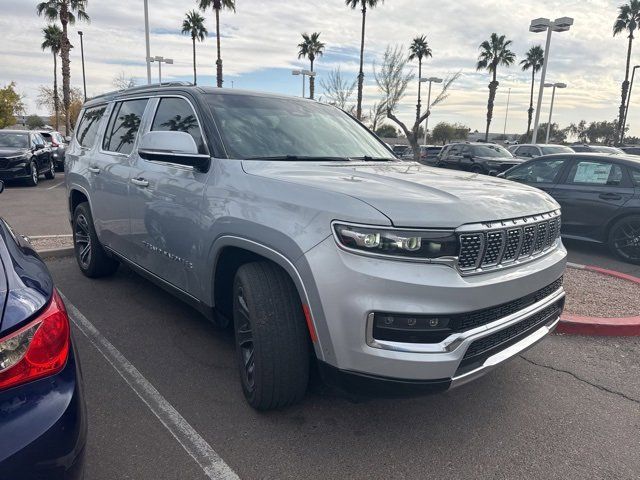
x: 601, y: 149
x: 255, y: 127
x: 491, y: 151
x: 14, y: 140
x: 556, y: 149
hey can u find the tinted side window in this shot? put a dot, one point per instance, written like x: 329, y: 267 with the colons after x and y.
x: 123, y: 126
x: 595, y: 173
x: 175, y: 114
x: 635, y: 176
x: 33, y: 141
x: 88, y: 128
x: 454, y: 150
x: 543, y: 171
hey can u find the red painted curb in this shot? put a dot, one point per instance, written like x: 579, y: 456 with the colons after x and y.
x: 617, y: 327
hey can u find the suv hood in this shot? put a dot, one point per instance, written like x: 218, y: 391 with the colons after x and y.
x: 413, y: 195
x: 12, y: 152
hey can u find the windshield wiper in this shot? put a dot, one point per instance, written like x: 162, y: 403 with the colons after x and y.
x: 293, y: 158
x: 367, y: 158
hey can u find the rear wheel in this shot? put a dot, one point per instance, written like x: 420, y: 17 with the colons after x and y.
x: 32, y: 181
x: 91, y: 257
x: 272, y: 343
x: 624, y: 239
x: 50, y: 174
x: 477, y: 169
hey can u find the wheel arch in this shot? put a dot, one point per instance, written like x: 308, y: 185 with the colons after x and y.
x: 230, y: 253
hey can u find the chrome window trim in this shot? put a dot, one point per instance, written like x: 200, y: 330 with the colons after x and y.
x: 456, y: 340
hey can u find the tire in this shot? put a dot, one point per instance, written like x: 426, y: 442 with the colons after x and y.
x: 272, y: 343
x: 50, y: 174
x: 32, y: 181
x: 624, y: 239
x: 91, y: 257
x: 477, y: 169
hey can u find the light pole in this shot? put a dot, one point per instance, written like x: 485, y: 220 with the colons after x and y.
x: 626, y: 110
x: 431, y: 80
x: 146, y: 39
x: 506, y: 115
x: 304, y: 73
x: 84, y: 80
x: 553, y: 96
x: 538, y: 25
x: 161, y: 60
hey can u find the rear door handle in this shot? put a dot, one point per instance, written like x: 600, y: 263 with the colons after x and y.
x: 140, y: 182
x: 610, y: 196
x: 94, y: 169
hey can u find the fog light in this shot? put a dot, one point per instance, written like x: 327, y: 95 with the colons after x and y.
x: 411, y: 329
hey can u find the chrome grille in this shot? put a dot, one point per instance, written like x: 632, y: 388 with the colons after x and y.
x: 500, y: 244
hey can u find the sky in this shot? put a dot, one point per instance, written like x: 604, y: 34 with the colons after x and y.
x: 259, y: 50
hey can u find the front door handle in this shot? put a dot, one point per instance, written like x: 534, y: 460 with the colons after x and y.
x: 610, y: 196
x: 94, y: 169
x: 140, y: 182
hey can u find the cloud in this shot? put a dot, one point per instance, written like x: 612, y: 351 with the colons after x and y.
x: 259, y: 46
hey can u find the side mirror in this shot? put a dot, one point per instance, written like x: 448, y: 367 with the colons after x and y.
x: 173, y: 147
x: 39, y: 146
x: 1, y: 186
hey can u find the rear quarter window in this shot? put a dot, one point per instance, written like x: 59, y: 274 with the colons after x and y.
x: 87, y: 131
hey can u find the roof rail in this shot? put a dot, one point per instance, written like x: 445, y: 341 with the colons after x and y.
x: 144, y: 87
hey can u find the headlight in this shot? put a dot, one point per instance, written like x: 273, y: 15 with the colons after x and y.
x: 396, y: 243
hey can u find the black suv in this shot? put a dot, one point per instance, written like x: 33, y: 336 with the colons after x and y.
x: 24, y: 156
x: 486, y: 158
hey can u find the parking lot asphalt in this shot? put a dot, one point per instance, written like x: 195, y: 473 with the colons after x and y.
x: 40, y: 210
x: 569, y: 408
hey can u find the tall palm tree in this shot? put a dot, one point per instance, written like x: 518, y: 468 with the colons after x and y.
x: 193, y: 24
x: 534, y: 58
x: 67, y: 11
x: 493, y: 53
x: 53, y: 41
x: 364, y: 4
x: 311, y: 47
x: 217, y: 5
x: 419, y: 49
x: 627, y: 21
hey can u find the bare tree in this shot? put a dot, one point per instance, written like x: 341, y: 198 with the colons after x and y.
x: 122, y: 81
x: 393, y: 81
x: 377, y: 113
x: 337, y: 89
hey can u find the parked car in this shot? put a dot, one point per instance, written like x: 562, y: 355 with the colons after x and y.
x: 631, y: 149
x: 599, y: 195
x: 400, y: 150
x: 24, y: 155
x: 526, y: 151
x: 477, y: 157
x: 287, y: 218
x: 58, y: 145
x: 42, y: 410
x: 589, y: 148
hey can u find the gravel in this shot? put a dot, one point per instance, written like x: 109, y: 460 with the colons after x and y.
x: 597, y: 295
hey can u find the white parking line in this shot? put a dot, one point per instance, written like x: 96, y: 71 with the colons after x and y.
x: 56, y: 185
x: 211, y: 463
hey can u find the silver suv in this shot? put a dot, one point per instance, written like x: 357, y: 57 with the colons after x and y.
x: 291, y: 221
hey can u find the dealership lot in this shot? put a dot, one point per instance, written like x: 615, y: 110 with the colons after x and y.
x: 569, y: 408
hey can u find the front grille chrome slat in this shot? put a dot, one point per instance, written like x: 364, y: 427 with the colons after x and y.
x: 495, y: 245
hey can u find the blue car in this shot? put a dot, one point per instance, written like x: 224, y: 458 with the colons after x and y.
x: 42, y: 411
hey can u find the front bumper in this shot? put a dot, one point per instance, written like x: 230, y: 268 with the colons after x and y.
x: 345, y: 289
x: 43, y: 427
x: 15, y: 172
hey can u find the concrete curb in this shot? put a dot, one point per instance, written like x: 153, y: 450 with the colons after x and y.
x: 583, y: 325
x: 55, y: 252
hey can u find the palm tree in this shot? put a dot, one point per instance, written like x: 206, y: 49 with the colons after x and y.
x: 193, y: 24
x: 311, y: 47
x: 493, y: 53
x: 53, y: 41
x: 67, y: 11
x: 419, y: 49
x: 627, y: 21
x: 364, y: 4
x: 218, y: 5
x: 534, y: 58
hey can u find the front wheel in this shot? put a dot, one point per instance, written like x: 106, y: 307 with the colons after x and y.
x: 91, y: 257
x: 477, y: 169
x: 32, y: 181
x: 624, y: 239
x: 272, y: 343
